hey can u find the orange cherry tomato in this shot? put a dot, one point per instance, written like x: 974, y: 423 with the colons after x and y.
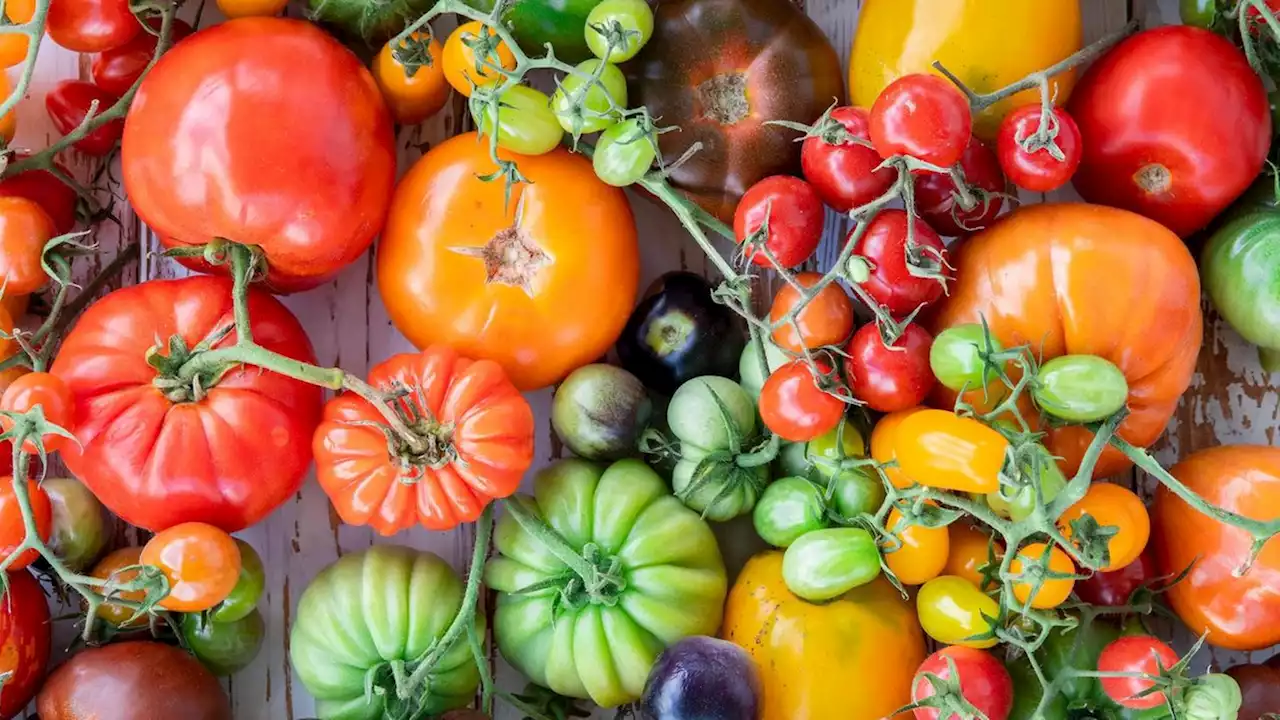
x: 201, y: 562
x: 940, y: 449
x: 9, y: 122
x: 14, y: 46
x: 794, y: 407
x: 251, y: 8
x: 884, y: 437
x: 826, y: 320
x: 460, y: 60
x: 53, y: 396
x: 12, y: 530
x: 24, y: 230
x: 119, y: 615
x: 970, y: 551
x: 1112, y: 505
x: 1053, y: 591
x: 923, y: 553
x: 412, y: 97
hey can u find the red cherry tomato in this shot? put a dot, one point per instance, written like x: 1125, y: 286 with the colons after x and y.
x: 844, y: 173
x: 1039, y: 171
x: 42, y: 187
x: 923, y: 116
x: 117, y: 69
x: 1135, y: 654
x: 1114, y: 588
x: 53, y: 396
x: 939, y: 205
x: 892, y: 283
x: 25, y: 640
x: 793, y: 407
x: 794, y: 213
x: 12, y: 530
x: 984, y: 682
x: 1259, y: 25
x: 889, y: 379
x: 90, y: 26
x: 69, y: 103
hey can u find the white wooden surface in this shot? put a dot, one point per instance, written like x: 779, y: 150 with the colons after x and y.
x: 1230, y: 399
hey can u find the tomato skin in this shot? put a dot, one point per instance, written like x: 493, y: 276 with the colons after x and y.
x: 459, y: 60
x: 921, y: 116
x: 886, y: 378
x: 1054, y: 591
x: 634, y: 16
x: 845, y: 174
x: 68, y: 104
x: 1135, y: 653
x: 14, y: 46
x: 80, y: 526
x: 936, y: 193
x: 794, y: 408
x: 971, y: 550
x: 955, y: 357
x: 12, y: 530
x: 1200, y: 13
x: 225, y: 648
x: 1235, y: 265
x: 884, y: 245
x: 794, y: 213
x: 1038, y: 171
x: 1080, y: 388
x: 1260, y: 686
x: 827, y: 563
x: 1119, y: 507
x: 251, y: 8
x: 89, y: 26
x: 525, y: 122
x: 243, y: 598
x: 941, y: 449
x: 598, y: 103
x: 624, y: 153
x: 884, y: 445
x: 787, y: 510
x: 984, y: 682
x: 953, y: 609
x: 55, y: 401
x: 826, y: 320
x: 117, y: 69
x: 25, y: 640
x: 24, y: 230
x: 1114, y: 588
x: 1023, y: 503
x: 55, y: 197
x: 923, y: 551
x: 412, y: 98
x: 1142, y: 154
x: 201, y: 562
x: 118, y: 615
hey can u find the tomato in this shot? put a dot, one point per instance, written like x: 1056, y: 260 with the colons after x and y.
x: 55, y: 197
x: 785, y: 215
x: 971, y: 551
x: 14, y: 46
x: 1200, y: 13
x: 600, y: 412
x: 713, y: 419
x: 921, y: 116
x: 793, y: 405
x: 843, y: 171
x: 752, y: 373
x: 789, y: 509
x: 1135, y: 654
x: 201, y: 562
x: 89, y: 26
x: 1080, y: 388
x: 243, y: 599
x: 25, y: 639
x: 583, y: 105
x: 49, y: 393
x: 79, y: 526
x: 898, y: 279
x: 1239, y: 613
x: 225, y: 648
x: 1038, y: 171
x: 251, y: 8
x: 1076, y: 648
x: 954, y: 611
x: 1260, y: 687
x: 1118, y: 507
x: 129, y: 429
x: 921, y: 552
x: 955, y: 357
x: 1035, y: 272
x: 889, y: 378
x: 116, y: 70
x: 1030, y: 563
x: 1235, y: 266
x: 943, y: 450
x: 1115, y: 588
x: 827, y: 319
x: 129, y: 680
x: 988, y: 44
x: 8, y: 121
x: 24, y: 230
x: 278, y: 140
x: 884, y: 446
x: 720, y: 71
x: 70, y: 102
x: 1020, y: 504
x: 984, y: 682
x: 12, y: 530
x: 857, y: 490
x: 463, y: 69
x: 937, y: 200
x: 411, y: 96
x: 624, y: 153
x: 1144, y: 152
x: 827, y: 563
x: 627, y: 24
x: 674, y: 588
x: 111, y: 568
x: 524, y: 120
x: 820, y: 661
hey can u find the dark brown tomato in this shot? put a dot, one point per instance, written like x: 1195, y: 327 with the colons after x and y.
x: 1260, y: 686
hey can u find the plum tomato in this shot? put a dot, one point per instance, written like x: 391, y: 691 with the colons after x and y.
x: 984, y: 682
x: 12, y: 530
x: 1080, y: 388
x: 924, y: 117
x: 842, y: 170
x: 116, y: 70
x: 938, y: 201
x: 68, y: 104
x: 90, y: 26
x: 1135, y: 654
x: 790, y: 213
x: 893, y: 377
x: 940, y: 449
x: 201, y: 562
x: 52, y: 395
x: 1039, y: 171
x: 824, y: 564
x: 954, y: 611
x: 903, y: 275
x: 826, y: 320
x: 794, y: 407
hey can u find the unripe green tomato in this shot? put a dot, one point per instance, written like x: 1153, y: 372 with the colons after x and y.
x: 751, y: 371
x: 788, y: 509
x: 1023, y: 503
x: 81, y: 526
x: 244, y: 597
x: 1080, y: 388
x: 596, y: 111
x: 634, y: 16
x: 825, y: 564
x: 526, y: 124
x: 1199, y: 13
x: 955, y: 356
x: 224, y: 648
x: 624, y: 154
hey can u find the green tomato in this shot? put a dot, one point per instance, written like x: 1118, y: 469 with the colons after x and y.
x: 366, y: 613
x: 244, y: 597
x: 954, y: 357
x: 727, y: 490
x: 632, y: 17
x: 710, y: 412
x: 1239, y: 267
x: 1028, y: 692
x: 592, y: 112
x: 793, y: 461
x: 825, y: 564
x: 80, y: 524
x: 601, y: 645
x: 788, y: 509
x: 1200, y: 13
x: 624, y: 154
x: 224, y: 648
x: 535, y: 23
x: 526, y: 124
x: 599, y: 411
x: 1023, y: 503
x: 856, y: 491
x: 1080, y: 388
x: 751, y: 370
x: 1213, y: 697
x: 367, y: 23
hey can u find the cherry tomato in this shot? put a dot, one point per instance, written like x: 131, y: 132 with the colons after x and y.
x: 841, y: 170
x: 1080, y: 388
x: 1259, y: 24
x: 903, y: 277
x: 922, y: 553
x: 14, y: 46
x: 954, y: 611
x: 1020, y: 504
x: 923, y: 116
x: 9, y: 121
x: 24, y: 230
x: 937, y: 200
x: 1038, y: 171
x: 884, y: 440
x: 55, y: 197
x: 971, y: 551
x: 1135, y: 654
x: 633, y: 16
x: 53, y: 396
x: 940, y: 449
x: 624, y: 153
x: 524, y: 120
x: 595, y: 108
x: 201, y: 562
x: 12, y: 530
x: 90, y: 26
x: 116, y: 70
x: 984, y: 682
x: 793, y: 407
x: 826, y: 320
x: 1114, y: 588
x: 794, y: 213
x: 109, y: 566
x: 1053, y: 591
x: 411, y: 96
x: 68, y: 104
x: 1113, y: 506
x: 461, y: 68
x: 887, y: 378
x: 955, y: 357
x: 251, y: 8
x: 244, y: 597
x: 1200, y: 13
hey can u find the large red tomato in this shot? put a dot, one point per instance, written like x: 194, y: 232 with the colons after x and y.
x: 1175, y: 126
x: 24, y: 642
x: 268, y: 132
x: 226, y: 454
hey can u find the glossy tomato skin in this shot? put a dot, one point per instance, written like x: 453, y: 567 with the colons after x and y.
x: 844, y: 173
x: 12, y: 531
x: 889, y: 378
x: 826, y: 320
x: 884, y: 245
x: 1143, y: 151
x: 89, y: 26
x: 54, y: 398
x: 201, y: 563
x: 924, y: 117
x: 68, y: 104
x: 971, y: 553
x: 41, y: 186
x: 919, y: 554
x: 262, y: 144
x: 954, y: 611
x: 1014, y: 275
x: 25, y: 228
x: 936, y: 198
x: 1114, y: 588
x: 940, y: 449
x: 25, y: 639
x: 1135, y: 653
x: 1260, y: 686
x: 794, y: 216
x: 794, y: 408
x: 1039, y: 171
x: 1111, y: 505
x: 719, y: 69
x: 412, y: 98
x: 1236, y: 264
x: 884, y: 444
x: 984, y: 682
x: 117, y: 69
x: 229, y: 480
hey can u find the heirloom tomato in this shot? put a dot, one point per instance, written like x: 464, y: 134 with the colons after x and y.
x: 938, y: 201
x: 793, y: 405
x: 503, y: 278
x: 1135, y: 654
x: 941, y: 449
x: 895, y: 280
x: 884, y: 446
x: 662, y: 579
x: 787, y: 215
x: 827, y: 319
x: 984, y: 682
x: 47, y: 392
x: 921, y: 116
x: 1035, y: 277
x: 476, y: 440
x: 112, y: 567
x: 1117, y: 507
x: 412, y: 96
x: 721, y: 69
x: 843, y: 170
x: 889, y: 377
x: 25, y: 639
x: 12, y: 530
x: 24, y: 229
x: 1054, y: 588
x: 251, y: 8
x: 460, y: 61
x: 55, y: 197
x: 69, y: 103
x: 273, y: 149
x: 201, y: 562
x: 988, y: 44
x: 972, y: 554
x: 79, y: 526
x: 600, y: 412
x: 135, y: 438
x: 1238, y: 613
x: 714, y: 421
x: 829, y: 660
x: 1038, y: 171
x: 1236, y: 266
x: 117, y: 69
x: 14, y: 46
x: 89, y: 26
x: 955, y: 612
x: 1116, y: 587
x: 1260, y: 687
x: 921, y: 552
x: 827, y: 563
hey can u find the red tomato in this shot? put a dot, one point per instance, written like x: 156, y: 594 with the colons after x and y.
x: 55, y: 401
x: 1176, y: 125
x: 90, y: 26
x: 1039, y: 171
x: 117, y: 69
x: 844, y: 172
x: 1114, y: 588
x: 227, y: 117
x: 793, y: 407
x: 240, y: 446
x: 68, y: 104
x: 984, y: 682
x: 56, y: 197
x: 12, y: 530
x: 794, y: 214
x: 892, y: 284
x: 25, y: 639
x: 938, y: 204
x: 889, y: 379
x: 1260, y: 25
x: 1137, y: 654
x: 923, y: 116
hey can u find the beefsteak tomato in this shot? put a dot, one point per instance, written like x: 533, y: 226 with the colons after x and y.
x: 226, y: 139
x: 1088, y: 280
x: 509, y: 279
x: 227, y: 450
x: 476, y: 429
x: 25, y: 638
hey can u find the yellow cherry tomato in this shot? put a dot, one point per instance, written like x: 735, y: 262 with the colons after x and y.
x: 14, y: 46
x: 1053, y: 591
x: 883, y: 438
x: 1118, y: 507
x: 923, y: 552
x: 940, y: 449
x: 460, y: 59
x: 414, y: 97
x: 119, y: 615
x: 251, y: 8
x: 953, y: 610
x: 970, y: 551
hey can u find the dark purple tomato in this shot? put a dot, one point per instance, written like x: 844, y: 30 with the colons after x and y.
x: 702, y: 678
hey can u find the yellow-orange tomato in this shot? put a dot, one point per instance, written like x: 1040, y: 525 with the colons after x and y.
x: 251, y: 8
x: 24, y: 230
x: 1053, y: 590
x: 412, y: 97
x: 826, y: 320
x: 923, y: 553
x: 16, y: 306
x: 1117, y: 507
x: 9, y: 122
x: 542, y: 283
x: 14, y: 46
x: 201, y: 562
x: 119, y: 615
x: 970, y: 551
x: 460, y: 60
x: 884, y: 437
x: 940, y: 449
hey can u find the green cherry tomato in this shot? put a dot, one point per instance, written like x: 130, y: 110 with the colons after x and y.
x: 526, y: 124
x: 582, y: 105
x: 856, y: 490
x: 1238, y: 267
x: 1080, y: 388
x: 624, y: 154
x: 1023, y: 502
x: 751, y: 370
x: 954, y: 357
x: 224, y: 648
x: 1200, y: 13
x: 793, y: 461
x: 80, y: 524
x: 243, y: 600
x: 788, y: 509
x: 952, y: 609
x: 630, y: 22
x: 825, y: 564
x: 728, y: 490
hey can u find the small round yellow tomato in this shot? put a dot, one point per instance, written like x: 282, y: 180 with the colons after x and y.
x: 251, y: 8
x: 943, y: 450
x: 954, y: 612
x: 970, y: 551
x: 923, y: 552
x: 1053, y: 590
x: 460, y: 59
x: 119, y: 615
x: 412, y: 97
x: 1118, y: 507
x: 14, y: 46
x: 883, y: 439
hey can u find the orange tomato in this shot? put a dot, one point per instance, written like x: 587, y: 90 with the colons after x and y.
x: 14, y: 46
x: 9, y: 122
x: 514, y: 281
x: 201, y: 562
x: 460, y: 60
x: 940, y: 449
x: 1086, y: 280
x: 1112, y: 505
x: 412, y: 97
x: 923, y: 553
x: 24, y: 230
x: 826, y: 320
x: 884, y: 438
x: 16, y: 306
x: 12, y: 530
x: 119, y: 615
x: 1053, y: 591
x: 56, y: 402
x: 251, y: 8
x: 970, y: 551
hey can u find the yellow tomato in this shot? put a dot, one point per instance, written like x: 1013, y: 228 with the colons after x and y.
x: 988, y: 44
x: 955, y: 612
x: 1054, y: 590
x: 251, y: 8
x: 922, y: 554
x: 412, y: 98
x: 883, y: 440
x: 1117, y: 507
x: 940, y: 449
x: 970, y: 552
